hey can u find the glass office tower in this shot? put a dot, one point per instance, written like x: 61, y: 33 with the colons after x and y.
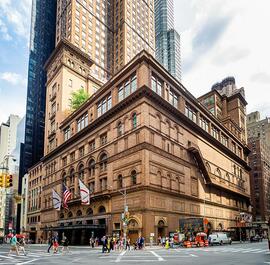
x: 167, y: 38
x: 42, y: 43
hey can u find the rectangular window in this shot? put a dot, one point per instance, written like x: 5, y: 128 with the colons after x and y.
x: 92, y: 146
x: 191, y: 114
x: 82, y: 122
x: 233, y: 147
x: 173, y: 98
x: 224, y: 140
x: 64, y: 161
x: 72, y: 157
x: 104, y: 105
x: 70, y: 82
x: 214, y: 132
x: 67, y: 133
x: 103, y: 139
x: 204, y: 124
x: 128, y: 87
x: 156, y: 85
x: 81, y: 151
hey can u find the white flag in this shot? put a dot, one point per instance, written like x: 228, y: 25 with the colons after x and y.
x: 56, y: 200
x: 85, y: 193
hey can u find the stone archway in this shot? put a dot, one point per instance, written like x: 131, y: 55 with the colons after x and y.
x: 134, y: 229
x: 161, y: 227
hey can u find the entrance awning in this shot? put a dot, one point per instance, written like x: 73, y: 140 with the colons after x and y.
x: 72, y: 227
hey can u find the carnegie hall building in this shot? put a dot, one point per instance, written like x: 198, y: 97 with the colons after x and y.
x: 145, y: 134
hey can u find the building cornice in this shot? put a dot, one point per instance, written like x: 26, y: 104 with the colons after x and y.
x: 65, y: 44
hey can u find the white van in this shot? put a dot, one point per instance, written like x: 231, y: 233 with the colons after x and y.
x: 219, y: 238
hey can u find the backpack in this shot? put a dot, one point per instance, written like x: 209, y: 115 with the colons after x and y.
x: 13, y: 240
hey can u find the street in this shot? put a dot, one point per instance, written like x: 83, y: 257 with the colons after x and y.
x: 246, y: 253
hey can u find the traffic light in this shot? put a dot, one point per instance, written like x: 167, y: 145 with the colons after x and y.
x: 2, y: 181
x: 9, y: 181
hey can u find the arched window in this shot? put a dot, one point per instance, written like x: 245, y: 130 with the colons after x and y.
x: 64, y: 178
x: 79, y: 213
x: 103, y: 162
x: 72, y: 176
x: 133, y: 177
x: 70, y: 214
x: 102, y: 209
x: 92, y: 167
x: 120, y: 182
x: 81, y: 172
x: 134, y: 120
x: 89, y: 211
x: 120, y: 129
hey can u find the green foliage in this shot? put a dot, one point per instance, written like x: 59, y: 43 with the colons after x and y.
x: 78, y: 98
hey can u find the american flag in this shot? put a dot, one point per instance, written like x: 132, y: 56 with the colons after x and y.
x: 66, y: 196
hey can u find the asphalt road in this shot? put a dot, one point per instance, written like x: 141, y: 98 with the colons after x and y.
x: 246, y: 253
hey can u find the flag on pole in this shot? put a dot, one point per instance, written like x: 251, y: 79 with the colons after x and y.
x: 85, y: 193
x: 66, y: 196
x: 56, y: 200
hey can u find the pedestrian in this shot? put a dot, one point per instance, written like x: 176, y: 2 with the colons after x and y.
x: 13, y: 245
x: 163, y: 241
x: 50, y: 243
x: 167, y: 244
x: 22, y: 245
x: 65, y: 243
x: 92, y: 242
x: 109, y: 245
x: 128, y: 244
x: 104, y: 244
x: 55, y: 245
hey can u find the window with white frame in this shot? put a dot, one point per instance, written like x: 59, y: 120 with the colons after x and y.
x: 82, y: 122
x: 67, y: 133
x: 104, y: 105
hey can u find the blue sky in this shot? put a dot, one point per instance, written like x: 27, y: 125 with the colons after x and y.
x: 219, y: 38
x: 14, y: 39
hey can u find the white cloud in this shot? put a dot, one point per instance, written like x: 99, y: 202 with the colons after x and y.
x: 239, y: 48
x: 4, y: 31
x: 13, y: 78
x: 17, y: 15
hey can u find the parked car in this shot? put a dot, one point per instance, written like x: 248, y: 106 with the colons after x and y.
x: 256, y: 238
x: 219, y: 238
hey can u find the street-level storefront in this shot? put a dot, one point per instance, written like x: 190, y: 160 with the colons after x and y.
x: 78, y: 234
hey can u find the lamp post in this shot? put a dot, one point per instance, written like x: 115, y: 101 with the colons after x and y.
x: 125, y: 214
x: 124, y: 219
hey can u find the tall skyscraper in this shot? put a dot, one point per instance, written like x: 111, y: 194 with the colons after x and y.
x: 110, y: 32
x: 42, y: 42
x: 259, y: 161
x: 167, y: 39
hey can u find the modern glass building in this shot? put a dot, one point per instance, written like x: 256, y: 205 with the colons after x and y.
x: 42, y: 43
x: 167, y: 39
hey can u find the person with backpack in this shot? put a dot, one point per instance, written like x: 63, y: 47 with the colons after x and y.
x: 13, y: 245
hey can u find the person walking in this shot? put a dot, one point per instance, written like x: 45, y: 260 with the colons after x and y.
x: 13, y: 245
x: 65, y: 243
x: 50, y: 243
x: 104, y: 244
x: 128, y: 244
x: 22, y: 244
x: 55, y: 245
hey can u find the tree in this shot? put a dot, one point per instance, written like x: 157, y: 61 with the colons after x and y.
x: 78, y: 98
